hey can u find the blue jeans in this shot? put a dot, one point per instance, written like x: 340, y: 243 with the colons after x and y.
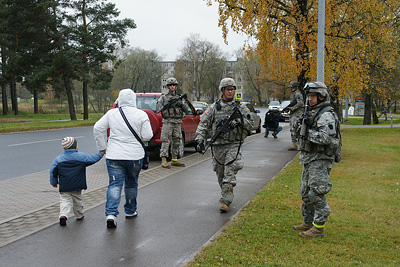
x: 120, y: 171
x: 275, y: 130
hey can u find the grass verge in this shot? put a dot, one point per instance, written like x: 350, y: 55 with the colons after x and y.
x: 33, y: 122
x: 363, y: 228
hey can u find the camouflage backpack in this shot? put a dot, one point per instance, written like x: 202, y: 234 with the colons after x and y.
x: 337, y: 139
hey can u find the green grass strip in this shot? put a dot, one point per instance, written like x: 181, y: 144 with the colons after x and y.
x: 363, y: 229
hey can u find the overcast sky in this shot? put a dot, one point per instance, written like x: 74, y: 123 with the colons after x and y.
x: 163, y: 25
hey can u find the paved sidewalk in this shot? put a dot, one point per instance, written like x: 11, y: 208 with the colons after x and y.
x: 29, y: 204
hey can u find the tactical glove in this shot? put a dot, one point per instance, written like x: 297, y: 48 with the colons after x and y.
x: 200, y: 146
x: 234, y: 123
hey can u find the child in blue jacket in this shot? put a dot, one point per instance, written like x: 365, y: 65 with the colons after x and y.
x: 69, y: 172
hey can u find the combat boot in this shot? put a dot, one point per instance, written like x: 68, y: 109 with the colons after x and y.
x: 164, y: 163
x: 176, y: 163
x: 303, y: 227
x: 293, y: 147
x: 223, y: 208
x: 314, y: 232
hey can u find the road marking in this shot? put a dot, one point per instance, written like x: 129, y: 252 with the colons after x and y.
x: 43, y: 141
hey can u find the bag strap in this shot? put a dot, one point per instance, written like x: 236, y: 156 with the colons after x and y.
x: 130, y: 128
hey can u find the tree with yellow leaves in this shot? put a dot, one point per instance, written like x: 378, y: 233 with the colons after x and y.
x: 358, y: 34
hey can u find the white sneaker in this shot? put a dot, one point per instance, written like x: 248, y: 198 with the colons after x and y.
x: 111, y: 221
x: 130, y: 216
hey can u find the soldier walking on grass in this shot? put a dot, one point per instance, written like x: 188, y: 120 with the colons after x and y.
x: 320, y: 148
x: 173, y: 109
x: 228, y: 122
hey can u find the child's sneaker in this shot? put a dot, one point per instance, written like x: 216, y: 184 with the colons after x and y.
x: 63, y: 221
x: 80, y: 218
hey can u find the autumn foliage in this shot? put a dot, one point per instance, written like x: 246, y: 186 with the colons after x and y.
x: 361, y: 39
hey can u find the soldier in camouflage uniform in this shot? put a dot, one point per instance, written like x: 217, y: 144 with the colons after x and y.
x: 318, y: 149
x: 172, y: 121
x: 227, y: 159
x: 295, y: 107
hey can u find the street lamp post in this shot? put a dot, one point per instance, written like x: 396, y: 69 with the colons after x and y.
x: 321, y: 41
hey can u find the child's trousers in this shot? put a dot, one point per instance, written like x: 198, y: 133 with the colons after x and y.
x: 71, y: 200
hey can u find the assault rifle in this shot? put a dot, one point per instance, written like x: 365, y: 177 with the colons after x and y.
x: 223, y: 126
x: 172, y: 101
x: 303, y: 126
x: 291, y: 104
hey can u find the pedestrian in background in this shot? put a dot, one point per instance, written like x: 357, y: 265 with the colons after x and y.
x: 271, y: 123
x: 319, y: 148
x: 68, y: 170
x: 227, y: 159
x: 172, y: 115
x: 295, y: 108
x: 124, y: 153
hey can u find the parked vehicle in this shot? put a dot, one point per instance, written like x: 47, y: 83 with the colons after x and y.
x: 257, y: 119
x: 200, y: 106
x: 274, y: 105
x: 148, y: 102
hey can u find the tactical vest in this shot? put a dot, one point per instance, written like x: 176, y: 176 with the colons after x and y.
x: 222, y: 111
x: 173, y: 112
x: 334, y: 148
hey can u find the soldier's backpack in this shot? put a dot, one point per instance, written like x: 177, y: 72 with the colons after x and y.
x: 337, y: 146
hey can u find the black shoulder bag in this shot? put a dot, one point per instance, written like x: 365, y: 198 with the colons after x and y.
x: 146, y: 160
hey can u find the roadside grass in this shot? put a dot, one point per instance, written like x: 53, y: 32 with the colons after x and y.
x: 363, y: 228
x: 356, y: 120
x: 31, y: 122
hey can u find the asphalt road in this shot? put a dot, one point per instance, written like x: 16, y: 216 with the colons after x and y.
x: 29, y: 152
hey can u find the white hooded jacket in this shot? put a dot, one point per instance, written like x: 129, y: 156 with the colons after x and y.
x: 122, y: 144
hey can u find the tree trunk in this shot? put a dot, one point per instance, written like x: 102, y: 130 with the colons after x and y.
x: 35, y: 102
x: 4, y: 99
x: 85, y: 100
x: 335, y: 102
x: 367, y: 109
x: 14, y: 98
x: 70, y: 97
x: 374, y: 116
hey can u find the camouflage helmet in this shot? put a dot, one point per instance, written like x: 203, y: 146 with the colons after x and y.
x: 317, y: 87
x: 171, y: 81
x: 225, y: 82
x: 294, y: 84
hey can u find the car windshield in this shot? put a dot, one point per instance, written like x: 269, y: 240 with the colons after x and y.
x: 274, y: 103
x: 147, y: 102
x: 250, y: 107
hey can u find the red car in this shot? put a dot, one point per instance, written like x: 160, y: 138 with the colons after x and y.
x: 148, y: 102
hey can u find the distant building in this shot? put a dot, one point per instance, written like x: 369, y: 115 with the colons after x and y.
x: 228, y: 72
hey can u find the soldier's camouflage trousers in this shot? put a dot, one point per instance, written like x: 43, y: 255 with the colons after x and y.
x: 315, y: 183
x: 170, y: 131
x: 226, y: 174
x: 293, y: 131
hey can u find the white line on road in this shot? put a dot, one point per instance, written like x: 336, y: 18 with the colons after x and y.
x: 43, y: 141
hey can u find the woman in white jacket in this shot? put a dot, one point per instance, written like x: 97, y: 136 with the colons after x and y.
x: 124, y: 153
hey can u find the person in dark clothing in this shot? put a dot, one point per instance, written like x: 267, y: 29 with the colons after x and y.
x: 69, y: 171
x: 271, y: 123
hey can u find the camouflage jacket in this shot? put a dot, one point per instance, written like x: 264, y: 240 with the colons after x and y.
x: 297, y: 98
x: 322, y: 140
x: 220, y: 110
x: 174, y: 113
